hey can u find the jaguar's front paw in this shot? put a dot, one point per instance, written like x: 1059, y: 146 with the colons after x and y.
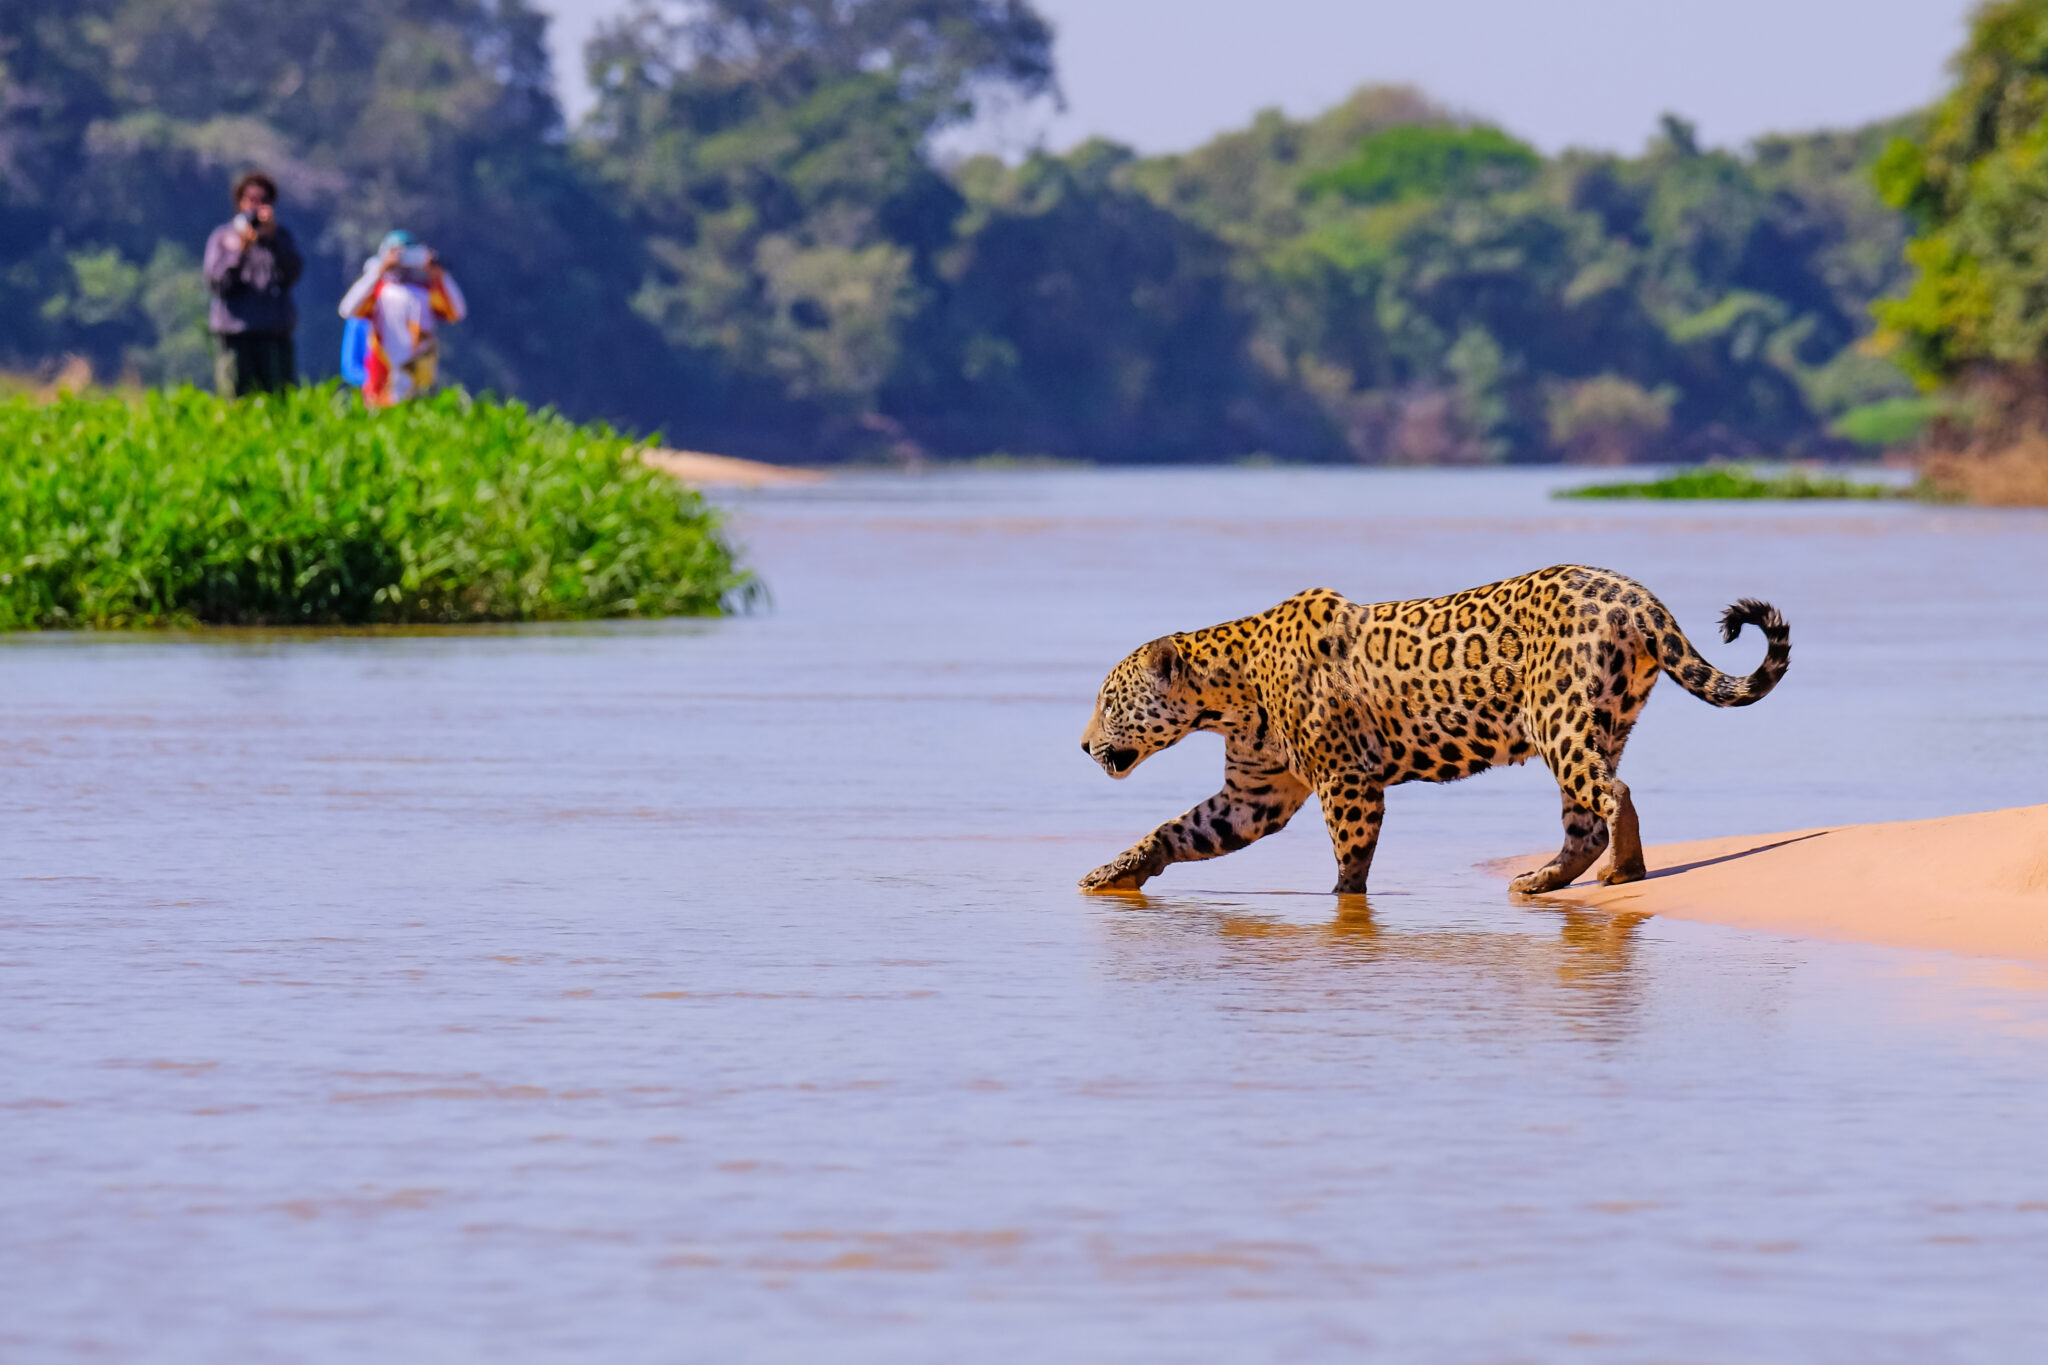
x: 1541, y: 880
x: 1127, y: 873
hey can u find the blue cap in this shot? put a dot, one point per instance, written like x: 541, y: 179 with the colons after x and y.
x: 401, y: 238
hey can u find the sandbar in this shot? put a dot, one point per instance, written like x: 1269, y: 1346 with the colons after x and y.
x: 1973, y: 884
x: 700, y: 470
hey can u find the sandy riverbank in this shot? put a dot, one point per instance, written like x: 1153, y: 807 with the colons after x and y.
x: 1964, y: 883
x: 700, y: 470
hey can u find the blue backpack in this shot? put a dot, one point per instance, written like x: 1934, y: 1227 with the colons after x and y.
x: 355, y: 350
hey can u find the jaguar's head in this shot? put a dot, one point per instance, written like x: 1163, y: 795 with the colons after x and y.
x: 1146, y: 703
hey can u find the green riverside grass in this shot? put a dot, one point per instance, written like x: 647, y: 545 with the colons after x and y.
x: 303, y: 509
x: 1734, y: 481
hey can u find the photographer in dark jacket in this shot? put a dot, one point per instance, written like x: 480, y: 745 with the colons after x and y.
x: 251, y: 265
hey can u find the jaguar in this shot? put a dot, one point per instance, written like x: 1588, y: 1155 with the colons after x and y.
x: 1340, y: 700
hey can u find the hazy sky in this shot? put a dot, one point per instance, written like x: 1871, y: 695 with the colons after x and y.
x: 1164, y: 75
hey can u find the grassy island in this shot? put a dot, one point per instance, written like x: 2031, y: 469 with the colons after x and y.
x: 1734, y: 481
x: 175, y: 508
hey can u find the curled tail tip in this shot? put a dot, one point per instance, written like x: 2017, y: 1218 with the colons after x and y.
x: 1749, y: 611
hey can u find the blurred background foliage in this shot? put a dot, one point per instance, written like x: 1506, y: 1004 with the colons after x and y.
x: 750, y: 244
x: 1974, y: 184
x: 1972, y: 327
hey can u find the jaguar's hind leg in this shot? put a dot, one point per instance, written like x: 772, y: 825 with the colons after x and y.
x: 1627, y: 865
x: 1620, y: 707
x: 1585, y: 839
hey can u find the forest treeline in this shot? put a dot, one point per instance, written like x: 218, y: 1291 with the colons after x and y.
x: 750, y: 244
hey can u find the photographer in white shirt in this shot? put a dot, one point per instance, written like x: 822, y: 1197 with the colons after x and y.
x: 405, y: 295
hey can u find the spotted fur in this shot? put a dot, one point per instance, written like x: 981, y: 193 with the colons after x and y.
x: 1327, y: 696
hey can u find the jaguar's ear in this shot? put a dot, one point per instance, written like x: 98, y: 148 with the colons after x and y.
x: 1162, y: 656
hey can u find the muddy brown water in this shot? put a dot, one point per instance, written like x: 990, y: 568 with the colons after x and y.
x: 719, y: 992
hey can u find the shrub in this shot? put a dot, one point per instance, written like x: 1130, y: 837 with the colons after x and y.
x: 1888, y: 422
x: 301, y: 508
x: 1723, y: 481
x: 1607, y: 420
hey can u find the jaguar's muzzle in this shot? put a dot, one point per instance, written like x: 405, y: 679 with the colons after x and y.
x: 1117, y: 762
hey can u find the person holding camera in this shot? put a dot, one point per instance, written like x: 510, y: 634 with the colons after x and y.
x: 404, y: 294
x: 251, y: 265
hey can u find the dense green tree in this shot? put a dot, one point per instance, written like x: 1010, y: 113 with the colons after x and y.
x: 1438, y: 289
x: 936, y: 52
x: 1975, y: 181
x: 772, y: 154
x: 1078, y: 318
x: 1416, y: 160
x: 1248, y: 186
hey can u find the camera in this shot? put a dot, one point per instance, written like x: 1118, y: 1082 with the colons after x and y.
x: 414, y: 257
x: 244, y: 223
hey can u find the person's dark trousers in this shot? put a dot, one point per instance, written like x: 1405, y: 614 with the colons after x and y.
x: 253, y: 362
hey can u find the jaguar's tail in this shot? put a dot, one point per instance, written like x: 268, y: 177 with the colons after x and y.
x: 1676, y: 656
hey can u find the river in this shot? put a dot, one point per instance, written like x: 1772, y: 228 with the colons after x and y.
x: 718, y: 991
